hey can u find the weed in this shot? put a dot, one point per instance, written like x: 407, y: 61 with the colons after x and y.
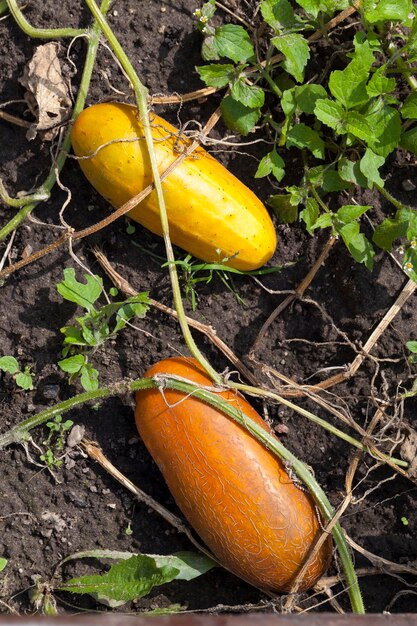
x: 95, y: 327
x: 346, y: 125
x: 22, y: 377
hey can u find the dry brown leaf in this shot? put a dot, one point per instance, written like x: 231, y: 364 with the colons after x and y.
x: 47, y: 92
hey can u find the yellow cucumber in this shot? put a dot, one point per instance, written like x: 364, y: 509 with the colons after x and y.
x: 211, y: 213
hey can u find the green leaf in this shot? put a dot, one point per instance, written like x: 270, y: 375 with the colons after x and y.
x: 296, y: 51
x: 310, y: 214
x: 358, y: 245
x: 84, y: 295
x: 9, y: 364
x: 24, y: 380
x: 216, y: 75
x: 272, y: 163
x: 125, y: 581
x: 249, y: 95
x: 387, y: 10
x: 232, y: 41
x: 3, y: 563
x: 356, y: 124
x: 136, y: 306
x: 323, y: 221
x: 369, y: 166
x: 348, y: 86
x: 283, y: 208
x: 328, y: 7
x: 189, y: 565
x: 279, y: 14
x: 306, y: 97
x: 330, y: 113
x: 411, y: 345
x: 89, y: 378
x: 350, y: 212
x: 238, y: 117
x: 404, y: 224
x: 351, y: 173
x: 73, y: 364
x: 379, y: 85
x: 409, y: 108
x: 302, y: 136
x: 386, y: 130
x: 208, y: 49
x: 408, y: 140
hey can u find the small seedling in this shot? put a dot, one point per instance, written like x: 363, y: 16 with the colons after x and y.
x: 404, y: 521
x: 3, y: 563
x: 99, y: 324
x: 22, y: 377
x: 57, y: 432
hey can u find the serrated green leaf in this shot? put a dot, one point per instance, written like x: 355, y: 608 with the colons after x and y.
x: 369, y: 166
x: 249, y: 95
x: 310, y: 214
x: 208, y: 49
x: 73, y: 364
x: 408, y: 140
x: 387, y: 10
x: 283, y: 208
x: 356, y: 124
x: 83, y: 294
x: 136, y: 306
x: 279, y: 14
x: 348, y: 86
x: 302, y: 136
x: 358, y: 245
x: 288, y: 102
x: 379, y: 84
x: 237, y: 116
x: 409, y: 108
x: 272, y: 163
x: 306, y: 97
x: 125, y: 581
x: 24, y: 381
x: 216, y: 75
x: 89, y: 378
x: 296, y: 52
x: 391, y: 229
x: 350, y: 212
x: 330, y: 113
x: 9, y: 364
x: 386, y: 130
x: 351, y: 173
x: 328, y: 7
x: 323, y: 221
x: 233, y: 42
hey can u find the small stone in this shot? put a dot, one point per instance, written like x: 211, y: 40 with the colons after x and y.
x: 408, y: 185
x: 111, y: 505
x: 163, y: 9
x: 93, y: 489
x: 50, y: 392
x: 115, y: 13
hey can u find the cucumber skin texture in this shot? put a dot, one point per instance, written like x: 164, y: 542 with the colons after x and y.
x: 234, y: 492
x: 211, y: 213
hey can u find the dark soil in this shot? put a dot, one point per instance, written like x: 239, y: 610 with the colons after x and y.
x: 42, y: 520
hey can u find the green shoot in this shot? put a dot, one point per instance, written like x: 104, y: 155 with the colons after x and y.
x: 22, y: 377
x: 95, y: 327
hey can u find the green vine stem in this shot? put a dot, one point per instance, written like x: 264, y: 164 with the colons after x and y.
x: 263, y: 393
x: 45, y: 189
x: 141, y: 94
x: 21, y: 433
x: 40, y: 33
